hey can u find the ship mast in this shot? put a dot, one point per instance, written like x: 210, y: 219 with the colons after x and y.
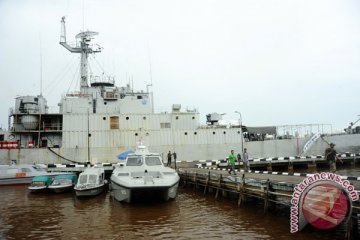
x: 83, y: 47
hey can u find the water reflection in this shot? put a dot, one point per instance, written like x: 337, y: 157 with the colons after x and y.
x: 190, y: 216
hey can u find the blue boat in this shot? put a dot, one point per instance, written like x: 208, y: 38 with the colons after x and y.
x: 63, y: 183
x: 40, y: 183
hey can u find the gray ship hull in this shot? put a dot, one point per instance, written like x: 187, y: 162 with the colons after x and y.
x: 185, y: 152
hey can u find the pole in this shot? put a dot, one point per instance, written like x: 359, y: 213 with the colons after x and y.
x: 241, y: 132
x: 88, y: 137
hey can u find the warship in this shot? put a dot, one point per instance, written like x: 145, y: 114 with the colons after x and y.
x: 101, y: 120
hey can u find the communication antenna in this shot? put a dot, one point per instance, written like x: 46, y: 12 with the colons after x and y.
x: 150, y: 68
x: 41, y: 72
x: 151, y: 80
x: 83, y: 17
x: 84, y: 48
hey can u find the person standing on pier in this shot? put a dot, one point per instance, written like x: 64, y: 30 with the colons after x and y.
x: 169, y: 159
x: 238, y: 157
x: 175, y: 156
x: 246, y: 160
x: 232, y: 159
x: 331, y: 157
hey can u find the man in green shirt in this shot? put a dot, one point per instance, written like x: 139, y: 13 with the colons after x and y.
x: 232, y: 159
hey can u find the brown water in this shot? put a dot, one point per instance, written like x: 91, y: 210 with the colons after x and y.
x: 190, y: 216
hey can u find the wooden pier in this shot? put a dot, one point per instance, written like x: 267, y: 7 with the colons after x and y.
x: 288, y: 164
x: 271, y: 188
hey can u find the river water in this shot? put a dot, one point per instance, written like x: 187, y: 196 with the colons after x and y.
x: 191, y: 215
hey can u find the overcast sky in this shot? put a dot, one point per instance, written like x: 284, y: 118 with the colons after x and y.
x: 277, y: 62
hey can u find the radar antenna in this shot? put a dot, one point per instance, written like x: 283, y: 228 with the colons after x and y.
x: 84, y: 47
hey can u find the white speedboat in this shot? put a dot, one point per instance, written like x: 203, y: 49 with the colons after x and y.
x: 143, y: 176
x: 21, y: 173
x: 91, y: 182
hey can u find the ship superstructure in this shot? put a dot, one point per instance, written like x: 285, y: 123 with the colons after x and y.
x: 102, y: 120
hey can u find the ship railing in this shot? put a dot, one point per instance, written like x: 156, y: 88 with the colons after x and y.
x: 44, y: 127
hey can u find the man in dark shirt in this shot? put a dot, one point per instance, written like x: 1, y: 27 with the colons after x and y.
x: 331, y: 157
x: 169, y: 159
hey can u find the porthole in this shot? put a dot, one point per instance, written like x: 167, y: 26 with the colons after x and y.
x: 195, y: 133
x: 214, y: 133
x: 136, y: 134
x: 193, y: 117
x: 185, y: 133
x: 144, y: 118
x: 127, y: 118
x: 105, y: 103
x: 224, y: 132
x: 238, y: 132
x: 177, y: 117
x: 104, y: 118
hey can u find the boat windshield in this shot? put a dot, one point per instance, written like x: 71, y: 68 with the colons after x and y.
x: 134, y: 161
x: 83, y: 179
x: 92, y: 178
x: 152, y: 160
x: 61, y: 181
